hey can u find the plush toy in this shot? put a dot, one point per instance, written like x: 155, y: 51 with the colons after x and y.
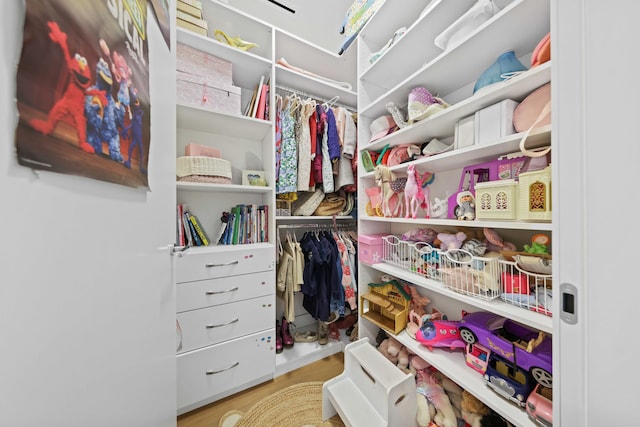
x: 427, y: 384
x: 395, y: 352
x: 494, y: 242
x: 71, y: 104
x: 451, y: 241
x: 473, y: 410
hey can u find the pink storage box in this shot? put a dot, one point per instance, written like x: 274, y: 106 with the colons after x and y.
x: 197, y: 92
x: 200, y: 150
x: 211, y: 69
x: 370, y: 248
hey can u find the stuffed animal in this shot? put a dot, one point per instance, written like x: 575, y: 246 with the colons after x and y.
x: 451, y: 241
x: 428, y: 385
x: 395, y: 352
x: 473, y: 410
x: 494, y: 242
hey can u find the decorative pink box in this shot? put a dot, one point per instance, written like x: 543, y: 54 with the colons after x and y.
x: 197, y: 92
x: 211, y: 69
x: 370, y: 248
x: 200, y: 150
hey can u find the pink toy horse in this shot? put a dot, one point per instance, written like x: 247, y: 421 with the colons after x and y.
x: 414, y: 197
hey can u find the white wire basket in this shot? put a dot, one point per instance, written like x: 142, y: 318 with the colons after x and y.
x: 425, y: 260
x: 395, y: 251
x: 471, y: 275
x: 531, y: 291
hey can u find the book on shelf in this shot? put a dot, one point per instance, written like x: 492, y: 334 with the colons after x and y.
x: 180, y: 236
x: 263, y: 101
x: 254, y: 107
x: 192, y: 19
x: 194, y: 3
x: 243, y: 224
x: 194, y: 233
x: 191, y: 27
x: 187, y: 230
x: 202, y: 235
x: 194, y: 10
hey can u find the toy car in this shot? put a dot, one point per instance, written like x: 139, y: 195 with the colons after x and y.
x: 527, y: 348
x: 440, y: 333
x: 508, y: 380
x: 477, y: 357
x: 540, y: 405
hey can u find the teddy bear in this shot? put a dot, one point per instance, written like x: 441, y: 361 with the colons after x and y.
x: 451, y: 241
x: 395, y: 352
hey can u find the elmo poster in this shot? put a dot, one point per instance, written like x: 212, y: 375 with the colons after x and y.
x: 83, y: 90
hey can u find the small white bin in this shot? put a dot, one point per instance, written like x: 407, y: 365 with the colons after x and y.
x: 497, y: 199
x: 531, y: 291
x: 471, y: 275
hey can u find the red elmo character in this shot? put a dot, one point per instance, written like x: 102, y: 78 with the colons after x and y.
x: 72, y: 102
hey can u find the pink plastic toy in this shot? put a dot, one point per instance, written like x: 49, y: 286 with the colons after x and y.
x: 440, y: 333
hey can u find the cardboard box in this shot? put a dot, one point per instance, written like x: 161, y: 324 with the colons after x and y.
x: 494, y: 122
x: 196, y: 91
x: 215, y: 71
x: 370, y: 248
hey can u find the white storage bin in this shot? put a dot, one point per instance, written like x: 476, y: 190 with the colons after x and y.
x: 497, y: 199
x: 494, y: 122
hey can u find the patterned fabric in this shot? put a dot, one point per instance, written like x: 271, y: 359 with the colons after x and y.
x: 278, y: 120
x: 304, y: 145
x: 288, y: 176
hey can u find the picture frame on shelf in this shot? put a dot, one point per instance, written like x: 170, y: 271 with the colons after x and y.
x: 254, y: 177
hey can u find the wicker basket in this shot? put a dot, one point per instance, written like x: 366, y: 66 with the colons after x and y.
x: 201, y: 165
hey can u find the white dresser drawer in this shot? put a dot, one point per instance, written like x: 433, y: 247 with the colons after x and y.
x: 207, y: 373
x: 224, y: 290
x: 212, y: 325
x: 223, y: 261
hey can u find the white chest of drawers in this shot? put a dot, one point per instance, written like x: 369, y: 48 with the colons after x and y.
x: 225, y: 303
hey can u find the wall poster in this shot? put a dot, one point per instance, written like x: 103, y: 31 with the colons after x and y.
x: 83, y: 90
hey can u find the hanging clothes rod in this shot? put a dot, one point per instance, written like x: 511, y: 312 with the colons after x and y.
x: 342, y: 225
x: 332, y: 101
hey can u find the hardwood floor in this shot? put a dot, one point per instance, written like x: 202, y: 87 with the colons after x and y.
x: 208, y: 416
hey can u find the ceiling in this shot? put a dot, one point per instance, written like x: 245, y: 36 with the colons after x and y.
x: 317, y: 22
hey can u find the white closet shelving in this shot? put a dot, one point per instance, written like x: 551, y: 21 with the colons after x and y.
x: 413, y: 61
x: 249, y: 144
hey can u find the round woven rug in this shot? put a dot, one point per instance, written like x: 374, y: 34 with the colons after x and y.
x: 299, y: 405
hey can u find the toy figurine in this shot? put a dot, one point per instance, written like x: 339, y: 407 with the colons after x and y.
x: 466, y: 209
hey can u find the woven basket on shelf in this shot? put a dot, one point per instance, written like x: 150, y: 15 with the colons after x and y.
x: 201, y: 165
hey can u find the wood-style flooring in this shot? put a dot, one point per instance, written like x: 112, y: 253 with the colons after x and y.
x: 208, y: 416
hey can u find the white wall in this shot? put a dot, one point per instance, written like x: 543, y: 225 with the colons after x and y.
x: 317, y: 22
x: 87, y: 305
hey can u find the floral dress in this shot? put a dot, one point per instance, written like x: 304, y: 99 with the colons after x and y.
x: 288, y: 175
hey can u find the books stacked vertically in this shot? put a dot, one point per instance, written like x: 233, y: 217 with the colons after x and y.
x: 189, y: 16
x: 189, y: 230
x: 258, y: 107
x: 245, y: 224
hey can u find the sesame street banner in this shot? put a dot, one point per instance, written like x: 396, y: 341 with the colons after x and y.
x: 83, y: 90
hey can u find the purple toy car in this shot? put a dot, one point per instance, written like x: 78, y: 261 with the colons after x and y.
x: 527, y: 348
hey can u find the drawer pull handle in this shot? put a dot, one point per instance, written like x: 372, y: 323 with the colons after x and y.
x: 222, y: 324
x: 221, y: 292
x: 222, y: 370
x: 222, y: 265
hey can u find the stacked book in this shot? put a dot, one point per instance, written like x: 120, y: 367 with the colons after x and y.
x: 245, y: 224
x: 190, y: 231
x: 189, y: 16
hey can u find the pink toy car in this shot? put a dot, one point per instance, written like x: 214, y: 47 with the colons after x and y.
x: 540, y: 405
x: 440, y: 333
